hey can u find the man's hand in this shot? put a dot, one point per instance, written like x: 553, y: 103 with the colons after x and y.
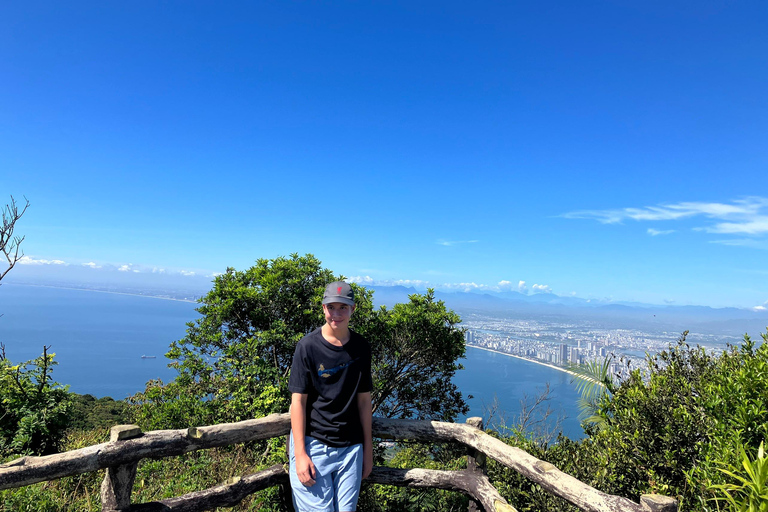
x: 367, y: 463
x: 305, y: 470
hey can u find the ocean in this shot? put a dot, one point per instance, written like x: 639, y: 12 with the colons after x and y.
x: 99, y: 339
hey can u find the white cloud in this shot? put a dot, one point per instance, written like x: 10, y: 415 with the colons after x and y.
x: 369, y: 281
x: 91, y: 264
x: 742, y: 208
x: 760, y: 308
x: 449, y: 243
x: 158, y: 270
x: 504, y: 286
x: 409, y: 282
x: 656, y: 232
x: 26, y: 260
x: 747, y: 217
x: 468, y: 287
x: 362, y: 280
x: 757, y: 225
x: 186, y: 273
x: 130, y: 267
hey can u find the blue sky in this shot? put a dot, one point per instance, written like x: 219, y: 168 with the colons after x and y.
x: 605, y: 149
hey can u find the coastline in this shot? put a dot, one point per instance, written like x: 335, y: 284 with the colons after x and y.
x: 559, y: 368
x: 11, y: 283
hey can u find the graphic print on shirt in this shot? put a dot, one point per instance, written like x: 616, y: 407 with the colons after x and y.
x: 324, y: 372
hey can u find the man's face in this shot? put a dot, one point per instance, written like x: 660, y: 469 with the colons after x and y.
x: 337, y: 314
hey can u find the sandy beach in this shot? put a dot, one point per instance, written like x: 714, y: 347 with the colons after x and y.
x: 559, y: 368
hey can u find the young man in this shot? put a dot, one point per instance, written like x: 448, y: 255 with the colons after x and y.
x: 331, y: 448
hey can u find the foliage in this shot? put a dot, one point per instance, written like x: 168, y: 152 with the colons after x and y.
x: 416, y: 346
x: 71, y: 494
x: 155, y: 479
x: 672, y: 428
x: 234, y: 361
x: 524, y: 494
x: 654, y: 425
x: 736, y: 399
x: 593, y: 382
x: 750, y: 494
x: 33, y: 408
x: 89, y: 412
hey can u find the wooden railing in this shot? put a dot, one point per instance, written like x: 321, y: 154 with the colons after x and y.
x: 128, y: 445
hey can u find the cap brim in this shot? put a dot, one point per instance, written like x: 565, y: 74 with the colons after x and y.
x: 343, y: 300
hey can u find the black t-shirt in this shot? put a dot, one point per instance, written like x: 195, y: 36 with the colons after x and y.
x: 332, y: 377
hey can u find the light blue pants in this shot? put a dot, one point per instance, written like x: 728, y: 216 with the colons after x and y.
x: 338, y: 472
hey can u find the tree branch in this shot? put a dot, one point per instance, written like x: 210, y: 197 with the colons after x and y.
x: 10, y: 246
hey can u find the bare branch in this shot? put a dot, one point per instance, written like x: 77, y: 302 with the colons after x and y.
x: 10, y: 246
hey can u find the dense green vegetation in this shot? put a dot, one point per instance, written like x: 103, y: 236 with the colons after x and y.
x: 689, y: 424
x: 34, y: 410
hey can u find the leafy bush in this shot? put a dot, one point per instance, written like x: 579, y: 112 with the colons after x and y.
x: 750, y: 494
x: 672, y: 428
x: 89, y: 412
x: 34, y: 410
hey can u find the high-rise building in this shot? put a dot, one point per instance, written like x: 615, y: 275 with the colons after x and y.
x: 563, y: 353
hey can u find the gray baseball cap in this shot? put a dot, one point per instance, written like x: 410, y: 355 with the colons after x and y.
x: 339, y: 291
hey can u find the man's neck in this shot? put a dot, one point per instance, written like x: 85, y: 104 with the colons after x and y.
x: 337, y: 336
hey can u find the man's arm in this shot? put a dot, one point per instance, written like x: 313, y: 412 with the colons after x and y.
x: 364, y: 406
x: 305, y: 469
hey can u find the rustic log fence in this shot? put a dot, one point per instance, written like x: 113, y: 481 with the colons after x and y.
x: 128, y: 445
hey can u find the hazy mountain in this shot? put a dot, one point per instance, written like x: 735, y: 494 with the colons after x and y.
x: 548, y: 306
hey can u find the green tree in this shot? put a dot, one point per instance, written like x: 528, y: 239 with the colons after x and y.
x: 416, y: 347
x: 234, y: 361
x: 33, y: 408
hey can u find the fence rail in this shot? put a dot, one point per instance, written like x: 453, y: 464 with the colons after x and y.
x: 128, y: 446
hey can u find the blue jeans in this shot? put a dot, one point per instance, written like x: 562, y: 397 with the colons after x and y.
x: 338, y: 472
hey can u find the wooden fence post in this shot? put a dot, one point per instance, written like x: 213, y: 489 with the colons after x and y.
x: 658, y: 503
x: 118, y: 482
x: 475, y: 461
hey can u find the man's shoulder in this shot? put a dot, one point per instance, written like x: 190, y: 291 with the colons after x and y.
x: 359, y: 340
x: 311, y: 337
x: 309, y: 341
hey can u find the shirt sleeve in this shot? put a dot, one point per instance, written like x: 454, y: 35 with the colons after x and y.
x: 299, y: 380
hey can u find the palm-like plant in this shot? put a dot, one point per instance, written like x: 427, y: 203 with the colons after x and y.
x: 593, y: 380
x: 750, y: 494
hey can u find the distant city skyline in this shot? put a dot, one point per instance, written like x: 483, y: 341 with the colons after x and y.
x: 612, y: 152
